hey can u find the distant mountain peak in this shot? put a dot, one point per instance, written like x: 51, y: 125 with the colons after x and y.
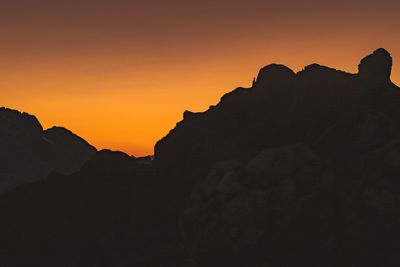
x: 28, y: 153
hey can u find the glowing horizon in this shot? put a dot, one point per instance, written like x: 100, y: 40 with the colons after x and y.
x: 121, y: 76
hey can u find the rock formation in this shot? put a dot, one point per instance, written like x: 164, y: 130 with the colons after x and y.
x: 376, y: 67
x: 299, y: 168
x: 281, y: 108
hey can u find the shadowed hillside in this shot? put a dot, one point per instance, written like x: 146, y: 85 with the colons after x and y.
x: 301, y: 169
x: 29, y: 153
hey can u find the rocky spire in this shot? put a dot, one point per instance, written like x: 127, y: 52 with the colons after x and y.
x: 376, y: 67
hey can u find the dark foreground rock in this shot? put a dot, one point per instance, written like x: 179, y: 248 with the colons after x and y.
x: 107, y: 214
x: 286, y: 208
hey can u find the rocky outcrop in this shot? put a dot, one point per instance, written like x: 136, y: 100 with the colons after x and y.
x: 265, y: 198
x: 376, y: 67
x: 28, y: 153
x: 280, y: 108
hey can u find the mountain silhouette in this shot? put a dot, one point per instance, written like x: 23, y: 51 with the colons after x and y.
x: 30, y: 153
x: 301, y: 169
x: 282, y: 108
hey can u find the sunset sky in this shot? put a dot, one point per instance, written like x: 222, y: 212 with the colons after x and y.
x: 121, y: 73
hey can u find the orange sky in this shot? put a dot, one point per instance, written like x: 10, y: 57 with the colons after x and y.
x: 121, y: 73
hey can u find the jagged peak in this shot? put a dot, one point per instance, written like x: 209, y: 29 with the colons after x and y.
x: 23, y: 119
x: 376, y: 66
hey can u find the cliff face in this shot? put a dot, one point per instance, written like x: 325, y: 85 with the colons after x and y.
x: 28, y: 153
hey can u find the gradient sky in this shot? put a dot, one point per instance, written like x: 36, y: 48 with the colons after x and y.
x: 121, y: 73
